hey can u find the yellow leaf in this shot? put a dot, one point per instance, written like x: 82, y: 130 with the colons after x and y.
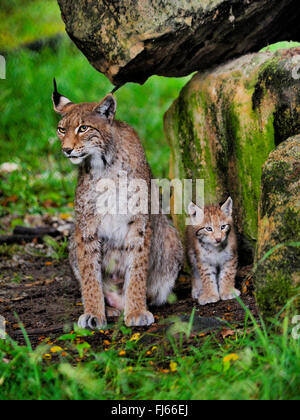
x: 122, y: 353
x: 135, y: 337
x: 164, y: 370
x: 231, y: 357
x: 47, y: 357
x: 65, y: 216
x: 56, y: 349
x: 173, y: 366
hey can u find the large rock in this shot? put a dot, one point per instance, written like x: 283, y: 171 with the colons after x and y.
x: 225, y: 123
x: 277, y: 277
x: 134, y: 39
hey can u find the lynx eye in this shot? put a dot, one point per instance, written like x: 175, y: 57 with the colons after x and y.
x: 223, y: 227
x: 209, y: 229
x: 61, y: 130
x: 83, y: 129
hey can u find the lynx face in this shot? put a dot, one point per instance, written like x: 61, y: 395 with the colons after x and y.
x: 213, y: 224
x: 85, y: 129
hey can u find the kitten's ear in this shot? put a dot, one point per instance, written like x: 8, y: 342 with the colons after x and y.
x: 60, y: 102
x: 196, y: 214
x: 107, y: 108
x: 227, y: 207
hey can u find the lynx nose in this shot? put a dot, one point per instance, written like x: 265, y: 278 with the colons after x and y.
x: 218, y: 240
x: 67, y: 150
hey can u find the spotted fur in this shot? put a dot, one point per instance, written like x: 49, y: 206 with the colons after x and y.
x: 120, y: 260
x: 212, y: 252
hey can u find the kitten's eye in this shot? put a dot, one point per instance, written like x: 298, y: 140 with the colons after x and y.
x: 61, y: 130
x: 83, y: 129
x: 209, y: 229
x: 223, y: 227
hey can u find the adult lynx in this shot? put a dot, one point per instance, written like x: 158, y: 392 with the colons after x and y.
x: 119, y: 259
x: 212, y: 251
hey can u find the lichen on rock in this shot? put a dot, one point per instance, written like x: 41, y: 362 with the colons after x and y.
x: 277, y: 276
x: 134, y: 39
x: 227, y: 121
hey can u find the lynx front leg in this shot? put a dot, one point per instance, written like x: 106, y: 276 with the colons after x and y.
x: 136, y: 312
x: 209, y: 288
x: 89, y: 256
x: 227, y: 281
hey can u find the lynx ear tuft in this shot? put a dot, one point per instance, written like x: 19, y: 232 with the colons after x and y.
x: 196, y: 214
x: 59, y: 101
x: 227, y: 207
x: 107, y: 108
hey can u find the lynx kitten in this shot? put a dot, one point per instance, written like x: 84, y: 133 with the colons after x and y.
x: 119, y: 259
x: 212, y: 251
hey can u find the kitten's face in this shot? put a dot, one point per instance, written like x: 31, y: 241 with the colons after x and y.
x: 213, y: 225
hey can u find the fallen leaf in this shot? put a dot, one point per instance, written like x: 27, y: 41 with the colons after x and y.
x: 231, y: 357
x: 228, y: 333
x: 13, y: 199
x: 173, y: 366
x: 65, y: 216
x: 56, y: 349
x: 135, y: 337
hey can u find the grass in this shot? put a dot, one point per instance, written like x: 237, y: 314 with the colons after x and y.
x: 254, y: 364
x: 16, y: 18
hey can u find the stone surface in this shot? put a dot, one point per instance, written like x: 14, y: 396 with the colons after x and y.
x: 225, y: 123
x: 277, y: 277
x: 134, y: 39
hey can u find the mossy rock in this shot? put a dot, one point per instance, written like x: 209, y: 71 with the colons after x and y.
x: 226, y: 122
x: 132, y: 40
x: 277, y: 277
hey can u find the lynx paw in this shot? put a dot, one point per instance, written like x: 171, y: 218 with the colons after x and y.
x: 230, y: 295
x: 206, y: 299
x: 91, y: 322
x: 139, y: 319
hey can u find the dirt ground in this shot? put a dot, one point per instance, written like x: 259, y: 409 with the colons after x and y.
x: 43, y: 295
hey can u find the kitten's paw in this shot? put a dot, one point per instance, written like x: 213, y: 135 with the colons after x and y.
x: 112, y: 312
x: 196, y: 293
x: 92, y: 322
x: 230, y: 295
x: 139, y: 319
x: 207, y: 299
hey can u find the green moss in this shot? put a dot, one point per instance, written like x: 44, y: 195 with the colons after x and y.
x: 275, y: 282
x: 276, y: 292
x: 227, y: 125
x: 251, y: 147
x: 277, y: 277
x: 286, y: 123
x: 280, y: 46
